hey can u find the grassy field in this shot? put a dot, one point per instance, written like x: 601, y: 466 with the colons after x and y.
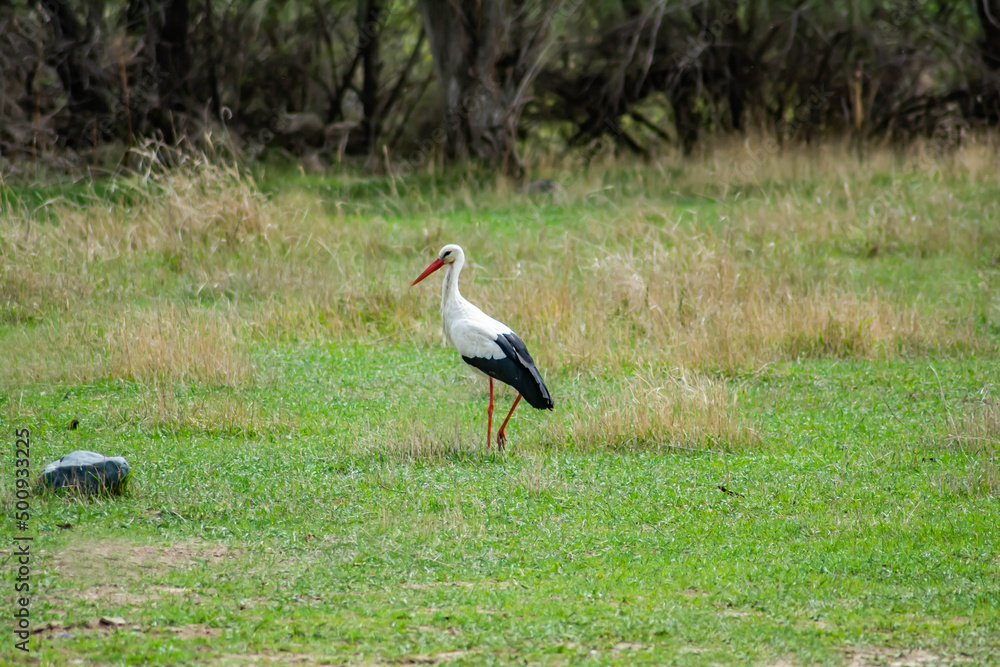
x: 776, y: 438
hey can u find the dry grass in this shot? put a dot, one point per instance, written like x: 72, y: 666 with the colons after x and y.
x: 161, y: 409
x: 163, y: 345
x: 170, y: 345
x: 637, y: 285
x: 28, y: 357
x: 759, y: 159
x: 54, y: 254
x: 406, y: 440
x: 976, y: 433
x: 699, y: 305
x: 537, y: 475
x: 705, y: 266
x: 200, y: 206
x: 653, y: 411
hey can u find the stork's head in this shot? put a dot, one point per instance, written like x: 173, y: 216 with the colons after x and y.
x: 449, y: 254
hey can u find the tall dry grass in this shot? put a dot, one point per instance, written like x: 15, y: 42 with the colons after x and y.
x: 693, y: 266
x: 169, y: 345
x: 219, y: 412
x: 700, y: 304
x: 655, y: 410
x: 164, y: 344
x: 975, y: 432
x: 643, y: 278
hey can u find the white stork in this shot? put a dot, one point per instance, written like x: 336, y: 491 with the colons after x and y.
x: 485, y: 344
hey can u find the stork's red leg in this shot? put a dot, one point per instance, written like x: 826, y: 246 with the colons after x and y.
x: 501, y: 438
x: 489, y: 418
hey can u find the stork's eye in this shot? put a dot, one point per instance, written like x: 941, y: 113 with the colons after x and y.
x: 446, y: 254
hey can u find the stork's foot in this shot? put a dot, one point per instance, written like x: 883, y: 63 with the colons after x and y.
x: 501, y: 436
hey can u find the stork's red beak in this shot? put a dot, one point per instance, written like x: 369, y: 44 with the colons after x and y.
x: 434, y: 266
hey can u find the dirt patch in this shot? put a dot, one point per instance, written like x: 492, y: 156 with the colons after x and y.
x: 54, y: 632
x: 418, y: 586
x: 56, y: 635
x: 192, y: 631
x: 733, y: 613
x: 106, y: 557
x: 109, y: 595
x: 276, y: 658
x: 118, y: 573
x: 488, y: 612
x: 875, y: 656
x: 730, y: 611
x: 692, y: 592
x: 433, y: 585
x: 628, y: 646
x: 427, y: 659
x: 120, y: 595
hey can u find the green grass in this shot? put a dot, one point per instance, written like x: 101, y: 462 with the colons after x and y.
x: 719, y: 483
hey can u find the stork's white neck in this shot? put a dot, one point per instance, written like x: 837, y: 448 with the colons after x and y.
x: 452, y: 302
x: 449, y: 286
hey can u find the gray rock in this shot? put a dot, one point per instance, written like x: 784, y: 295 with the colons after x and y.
x: 87, y: 472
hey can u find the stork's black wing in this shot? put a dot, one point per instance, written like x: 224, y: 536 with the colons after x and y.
x: 517, y: 369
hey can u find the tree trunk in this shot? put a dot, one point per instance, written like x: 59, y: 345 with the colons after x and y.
x: 213, y: 71
x: 370, y: 16
x: 79, y: 78
x: 470, y: 42
x: 989, y: 18
x: 172, y: 55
